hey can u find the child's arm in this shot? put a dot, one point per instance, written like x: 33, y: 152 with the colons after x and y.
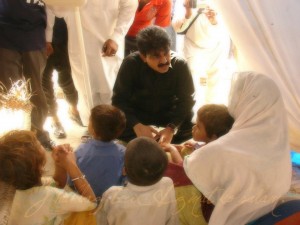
x: 175, y: 155
x: 190, y: 144
x: 60, y: 174
x: 66, y: 162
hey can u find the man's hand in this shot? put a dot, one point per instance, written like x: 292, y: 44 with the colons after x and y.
x: 49, y: 49
x: 109, y: 48
x: 211, y: 15
x: 166, y: 136
x: 145, y: 131
x: 188, y: 9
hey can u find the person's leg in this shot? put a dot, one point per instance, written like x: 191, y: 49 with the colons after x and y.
x: 33, y: 66
x: 65, y: 81
x: 11, y: 75
x: 48, y: 89
x: 48, y: 86
x: 10, y: 67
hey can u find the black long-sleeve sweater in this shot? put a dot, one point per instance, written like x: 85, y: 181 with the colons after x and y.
x: 150, y: 97
x: 22, y: 24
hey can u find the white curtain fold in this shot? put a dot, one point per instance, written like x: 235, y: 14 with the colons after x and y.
x: 266, y: 34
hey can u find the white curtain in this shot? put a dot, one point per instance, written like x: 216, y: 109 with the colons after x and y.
x: 266, y: 34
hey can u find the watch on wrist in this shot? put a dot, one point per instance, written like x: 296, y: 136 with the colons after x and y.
x: 172, y: 127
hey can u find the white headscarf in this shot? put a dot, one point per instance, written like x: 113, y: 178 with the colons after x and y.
x: 247, y: 170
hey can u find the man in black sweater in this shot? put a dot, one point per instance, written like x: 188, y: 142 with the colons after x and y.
x: 154, y: 87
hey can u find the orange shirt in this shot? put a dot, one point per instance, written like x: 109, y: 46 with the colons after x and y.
x: 156, y: 12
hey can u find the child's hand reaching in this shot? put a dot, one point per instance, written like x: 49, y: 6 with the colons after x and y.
x: 189, y: 147
x: 179, y: 147
x: 168, y: 147
x: 175, y: 155
x: 190, y: 144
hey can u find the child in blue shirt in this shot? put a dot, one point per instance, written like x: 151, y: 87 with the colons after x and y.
x: 100, y: 158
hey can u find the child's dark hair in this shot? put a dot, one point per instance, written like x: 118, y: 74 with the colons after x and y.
x: 22, y: 159
x: 145, y: 161
x: 216, y: 119
x: 152, y: 39
x: 107, y: 121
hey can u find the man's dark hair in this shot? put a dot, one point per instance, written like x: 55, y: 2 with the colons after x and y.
x: 145, y: 161
x: 216, y: 119
x: 107, y: 121
x: 151, y: 39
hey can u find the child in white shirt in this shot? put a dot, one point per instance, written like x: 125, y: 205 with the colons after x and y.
x: 148, y: 197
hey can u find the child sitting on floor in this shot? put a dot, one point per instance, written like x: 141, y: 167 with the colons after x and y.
x: 36, y: 199
x: 100, y: 158
x: 149, y: 197
x: 212, y: 122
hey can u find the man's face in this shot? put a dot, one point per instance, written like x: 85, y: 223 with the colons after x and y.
x: 158, y: 60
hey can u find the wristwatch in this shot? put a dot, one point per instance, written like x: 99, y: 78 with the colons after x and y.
x: 172, y: 127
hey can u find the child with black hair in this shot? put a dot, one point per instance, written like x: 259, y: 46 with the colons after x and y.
x: 148, y: 198
x: 100, y: 158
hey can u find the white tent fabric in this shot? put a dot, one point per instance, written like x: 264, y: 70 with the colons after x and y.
x: 267, y: 36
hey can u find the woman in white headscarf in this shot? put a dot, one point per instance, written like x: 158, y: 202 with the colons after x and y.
x: 246, y: 171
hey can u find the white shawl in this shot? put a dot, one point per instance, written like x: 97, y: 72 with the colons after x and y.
x: 247, y: 170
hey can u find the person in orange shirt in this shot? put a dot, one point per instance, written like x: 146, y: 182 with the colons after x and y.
x: 157, y: 12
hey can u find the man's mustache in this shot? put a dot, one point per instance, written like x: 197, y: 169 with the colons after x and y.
x: 164, y: 64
